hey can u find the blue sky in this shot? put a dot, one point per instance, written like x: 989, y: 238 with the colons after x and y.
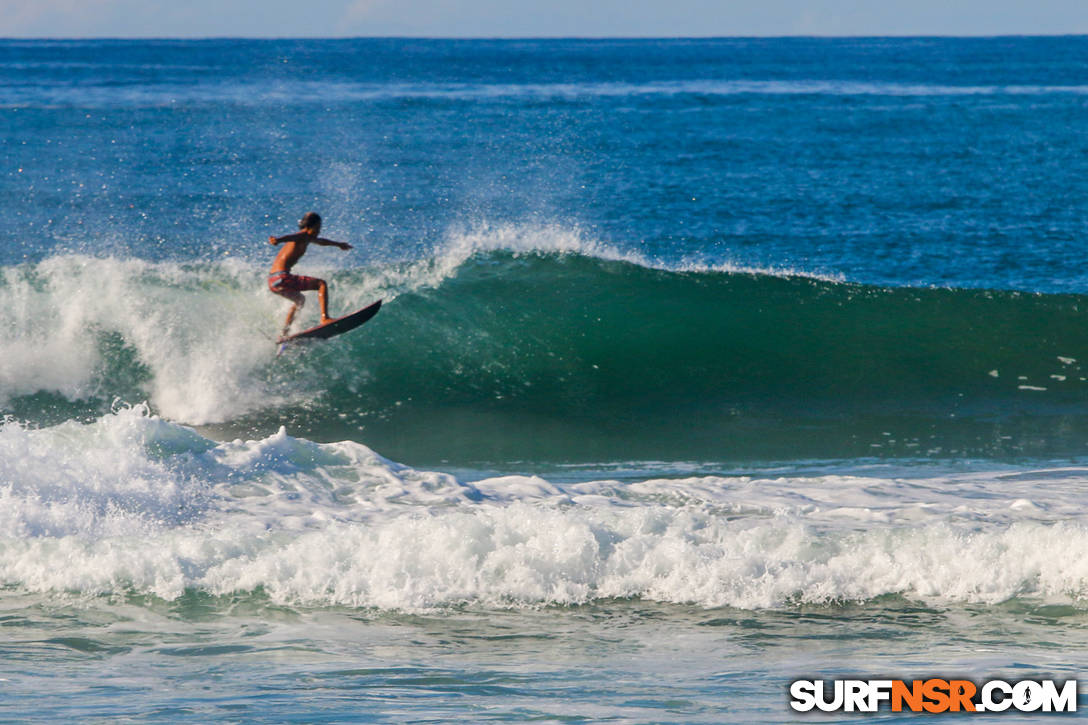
x: 534, y: 18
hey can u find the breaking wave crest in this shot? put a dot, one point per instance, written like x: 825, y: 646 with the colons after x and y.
x: 509, y: 344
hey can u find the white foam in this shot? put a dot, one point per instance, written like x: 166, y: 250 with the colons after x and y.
x: 46, y: 348
x: 123, y: 475
x: 461, y: 245
x: 132, y: 503
x: 200, y: 332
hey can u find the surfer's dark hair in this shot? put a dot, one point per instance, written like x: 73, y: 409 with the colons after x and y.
x: 310, y: 220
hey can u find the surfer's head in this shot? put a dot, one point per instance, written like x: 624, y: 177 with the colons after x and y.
x: 310, y: 221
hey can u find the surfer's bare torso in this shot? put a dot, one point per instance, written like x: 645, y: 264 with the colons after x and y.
x: 285, y: 284
x: 290, y: 254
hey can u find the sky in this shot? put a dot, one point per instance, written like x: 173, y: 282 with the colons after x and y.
x: 535, y: 18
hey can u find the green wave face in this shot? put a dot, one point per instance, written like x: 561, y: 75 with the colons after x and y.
x: 564, y: 357
x: 569, y: 357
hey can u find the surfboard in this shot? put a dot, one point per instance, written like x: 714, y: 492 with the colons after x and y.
x: 334, y: 327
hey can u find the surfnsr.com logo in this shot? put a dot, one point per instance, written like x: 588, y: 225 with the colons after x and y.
x: 933, y: 695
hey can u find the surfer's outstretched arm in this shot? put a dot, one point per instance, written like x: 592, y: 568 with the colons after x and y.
x: 330, y: 243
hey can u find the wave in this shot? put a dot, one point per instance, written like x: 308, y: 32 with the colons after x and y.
x: 513, y: 345
x: 131, y: 505
x: 137, y: 92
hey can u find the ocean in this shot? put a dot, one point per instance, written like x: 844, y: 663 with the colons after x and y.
x: 704, y: 366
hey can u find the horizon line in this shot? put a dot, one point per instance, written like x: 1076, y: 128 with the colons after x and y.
x: 516, y: 38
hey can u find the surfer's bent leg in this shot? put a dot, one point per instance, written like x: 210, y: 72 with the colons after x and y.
x: 287, y: 285
x: 323, y: 298
x: 292, y: 286
x: 310, y: 284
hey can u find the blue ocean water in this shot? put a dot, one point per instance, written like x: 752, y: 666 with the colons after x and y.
x: 704, y: 365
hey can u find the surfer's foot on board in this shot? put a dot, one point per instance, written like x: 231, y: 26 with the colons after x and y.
x: 326, y: 320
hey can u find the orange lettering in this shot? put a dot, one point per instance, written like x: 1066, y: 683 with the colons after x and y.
x: 936, y: 691
x: 911, y: 695
x: 961, y: 692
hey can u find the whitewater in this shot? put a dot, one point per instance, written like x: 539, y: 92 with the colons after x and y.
x: 702, y: 366
x: 139, y: 506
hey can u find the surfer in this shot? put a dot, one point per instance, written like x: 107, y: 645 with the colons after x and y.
x: 291, y: 286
